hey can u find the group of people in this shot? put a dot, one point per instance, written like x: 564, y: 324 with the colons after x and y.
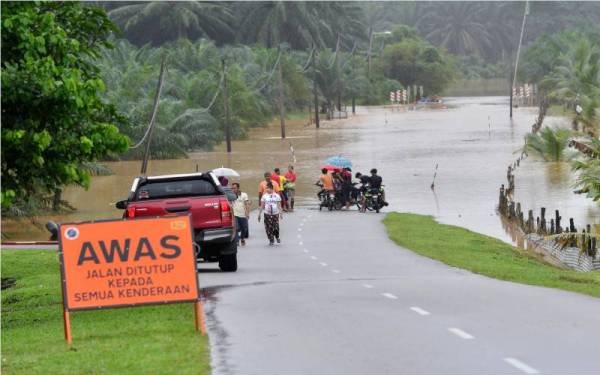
x: 276, y: 194
x: 340, y: 182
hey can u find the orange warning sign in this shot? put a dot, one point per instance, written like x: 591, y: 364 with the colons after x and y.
x: 128, y: 262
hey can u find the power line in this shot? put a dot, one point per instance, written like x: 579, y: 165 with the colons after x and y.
x: 270, y: 74
x: 203, y: 110
x: 155, y: 106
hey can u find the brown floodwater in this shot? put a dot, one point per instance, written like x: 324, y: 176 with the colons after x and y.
x: 472, y: 142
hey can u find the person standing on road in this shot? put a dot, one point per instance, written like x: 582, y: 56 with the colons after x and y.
x: 262, y: 187
x: 241, y: 211
x: 291, y: 185
x: 278, y: 178
x: 270, y: 203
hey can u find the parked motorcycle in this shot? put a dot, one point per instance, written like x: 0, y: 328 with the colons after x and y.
x: 330, y: 199
x: 374, y: 200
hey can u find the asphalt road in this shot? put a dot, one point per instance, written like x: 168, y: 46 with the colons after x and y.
x: 338, y: 297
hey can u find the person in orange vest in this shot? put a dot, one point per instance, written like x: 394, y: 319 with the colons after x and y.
x: 262, y: 186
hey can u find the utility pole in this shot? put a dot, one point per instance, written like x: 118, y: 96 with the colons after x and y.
x: 369, y: 53
x: 226, y: 108
x: 281, y: 95
x: 161, y: 76
x: 525, y: 13
x: 337, y: 73
x: 315, y: 94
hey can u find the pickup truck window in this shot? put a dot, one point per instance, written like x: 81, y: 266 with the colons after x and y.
x: 175, y: 189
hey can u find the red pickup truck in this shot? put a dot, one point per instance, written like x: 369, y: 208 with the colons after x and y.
x: 200, y: 194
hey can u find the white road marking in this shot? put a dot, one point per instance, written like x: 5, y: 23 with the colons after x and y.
x: 313, y: 257
x: 335, y: 271
x: 323, y: 264
x: 299, y: 229
x: 521, y: 366
x: 300, y: 243
x: 389, y: 295
x: 299, y: 236
x: 302, y: 224
x: 306, y: 251
x: 460, y: 333
x: 419, y: 310
x: 368, y: 286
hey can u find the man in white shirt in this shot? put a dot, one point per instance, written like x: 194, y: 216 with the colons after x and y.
x: 241, y: 211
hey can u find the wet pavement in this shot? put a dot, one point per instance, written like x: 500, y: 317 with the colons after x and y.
x: 338, y: 297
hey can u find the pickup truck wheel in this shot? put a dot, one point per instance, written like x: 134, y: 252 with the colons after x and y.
x: 228, y: 263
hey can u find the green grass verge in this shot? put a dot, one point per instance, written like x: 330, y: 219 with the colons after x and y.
x: 153, y: 339
x: 484, y: 255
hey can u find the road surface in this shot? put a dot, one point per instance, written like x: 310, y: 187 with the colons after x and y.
x: 338, y: 297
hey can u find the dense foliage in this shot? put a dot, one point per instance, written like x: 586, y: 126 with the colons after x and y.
x: 191, y: 110
x: 588, y: 166
x: 550, y: 144
x: 53, y: 118
x: 489, y: 30
x: 413, y: 61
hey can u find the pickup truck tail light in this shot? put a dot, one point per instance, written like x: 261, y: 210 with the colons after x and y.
x: 130, y: 212
x: 226, y: 218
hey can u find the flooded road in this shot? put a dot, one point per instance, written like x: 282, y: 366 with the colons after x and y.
x: 472, y: 142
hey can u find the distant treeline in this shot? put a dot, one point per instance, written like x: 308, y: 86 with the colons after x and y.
x: 488, y: 30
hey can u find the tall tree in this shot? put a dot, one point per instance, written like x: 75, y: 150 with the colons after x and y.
x: 161, y: 21
x: 576, y: 80
x: 53, y: 117
x: 459, y: 27
x: 299, y: 23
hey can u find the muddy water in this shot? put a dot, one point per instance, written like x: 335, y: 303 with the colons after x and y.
x: 472, y: 141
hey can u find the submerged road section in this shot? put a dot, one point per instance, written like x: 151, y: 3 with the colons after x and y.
x: 338, y: 297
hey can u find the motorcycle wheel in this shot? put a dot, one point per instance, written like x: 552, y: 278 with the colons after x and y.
x: 338, y: 205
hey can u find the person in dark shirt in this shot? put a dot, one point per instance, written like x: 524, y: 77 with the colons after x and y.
x: 375, y: 184
x: 364, y: 183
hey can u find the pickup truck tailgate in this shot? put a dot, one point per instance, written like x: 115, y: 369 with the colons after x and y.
x: 206, y: 211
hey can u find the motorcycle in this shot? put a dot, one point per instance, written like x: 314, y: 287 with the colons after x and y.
x: 374, y: 199
x: 330, y: 199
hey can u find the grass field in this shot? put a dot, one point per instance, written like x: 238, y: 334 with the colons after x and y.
x: 152, y: 340
x: 484, y: 255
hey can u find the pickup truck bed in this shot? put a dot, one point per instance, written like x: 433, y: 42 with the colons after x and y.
x: 199, y: 194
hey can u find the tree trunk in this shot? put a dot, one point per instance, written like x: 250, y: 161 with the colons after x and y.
x: 226, y: 108
x: 56, y: 199
x: 315, y: 94
x: 281, y: 99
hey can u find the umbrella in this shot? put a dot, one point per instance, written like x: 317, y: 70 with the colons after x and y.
x: 225, y: 172
x: 339, y: 161
x: 331, y: 168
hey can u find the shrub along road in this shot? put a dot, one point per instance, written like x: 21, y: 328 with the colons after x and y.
x: 338, y: 296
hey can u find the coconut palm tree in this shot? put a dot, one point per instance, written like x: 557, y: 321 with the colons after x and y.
x: 299, y: 23
x: 551, y: 144
x: 459, y: 27
x: 157, y: 22
x: 576, y: 80
x: 588, y: 180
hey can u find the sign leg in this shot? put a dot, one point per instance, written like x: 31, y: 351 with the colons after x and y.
x: 67, y: 325
x: 199, y: 317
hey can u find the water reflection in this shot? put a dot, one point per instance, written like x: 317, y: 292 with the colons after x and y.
x: 404, y: 145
